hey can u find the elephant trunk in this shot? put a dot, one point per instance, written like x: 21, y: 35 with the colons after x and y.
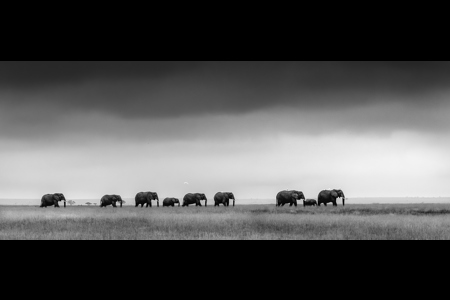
x: 121, y: 203
x: 64, y: 204
x: 343, y: 201
x: 206, y: 202
x: 233, y: 201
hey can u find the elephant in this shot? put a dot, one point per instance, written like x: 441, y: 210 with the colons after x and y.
x: 171, y: 202
x: 52, y: 199
x: 110, y: 200
x: 309, y: 202
x: 290, y: 197
x: 194, y: 199
x: 146, y: 198
x: 327, y: 196
x: 223, y: 198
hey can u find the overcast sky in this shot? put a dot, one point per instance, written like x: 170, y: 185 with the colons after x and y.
x: 92, y: 128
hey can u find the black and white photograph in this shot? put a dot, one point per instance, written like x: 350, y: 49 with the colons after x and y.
x: 224, y: 150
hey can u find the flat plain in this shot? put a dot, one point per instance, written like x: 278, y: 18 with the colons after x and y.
x: 243, y: 222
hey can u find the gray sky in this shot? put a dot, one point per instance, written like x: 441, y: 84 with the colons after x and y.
x: 92, y: 128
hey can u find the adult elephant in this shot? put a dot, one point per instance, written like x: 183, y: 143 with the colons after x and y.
x: 223, y: 198
x: 330, y: 196
x: 146, y: 198
x: 171, y: 202
x: 110, y: 200
x: 290, y: 197
x: 309, y: 202
x: 52, y: 199
x: 194, y: 199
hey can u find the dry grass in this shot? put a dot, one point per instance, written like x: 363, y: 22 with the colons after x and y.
x: 252, y: 222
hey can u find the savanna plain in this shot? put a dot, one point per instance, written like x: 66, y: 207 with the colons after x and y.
x: 243, y: 222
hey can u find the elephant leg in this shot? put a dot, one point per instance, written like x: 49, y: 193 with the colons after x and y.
x: 283, y: 204
x: 334, y: 204
x: 325, y: 204
x: 150, y: 203
x: 290, y: 204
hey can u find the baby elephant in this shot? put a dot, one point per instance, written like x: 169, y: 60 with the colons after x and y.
x: 171, y: 202
x: 309, y: 202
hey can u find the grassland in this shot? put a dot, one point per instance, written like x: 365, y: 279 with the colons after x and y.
x: 246, y: 222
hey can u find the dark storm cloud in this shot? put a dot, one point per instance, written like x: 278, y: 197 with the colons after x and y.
x: 131, y: 89
x: 318, y: 74
x: 34, y: 96
x: 41, y: 74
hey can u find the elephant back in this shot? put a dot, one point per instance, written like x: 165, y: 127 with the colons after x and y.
x: 220, y: 197
x: 284, y: 196
x: 141, y: 197
x: 188, y: 198
x: 107, y: 199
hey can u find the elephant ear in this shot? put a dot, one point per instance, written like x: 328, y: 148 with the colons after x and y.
x: 334, y: 194
x: 295, y: 196
x: 56, y: 197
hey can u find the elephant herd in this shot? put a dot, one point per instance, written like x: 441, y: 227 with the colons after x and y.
x: 325, y: 197
x: 146, y: 198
